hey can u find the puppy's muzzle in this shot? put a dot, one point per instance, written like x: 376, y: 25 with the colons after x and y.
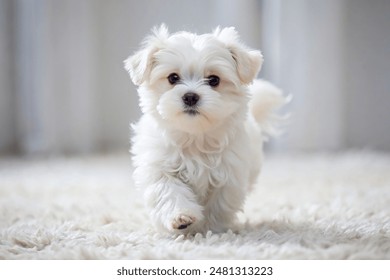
x: 190, y: 99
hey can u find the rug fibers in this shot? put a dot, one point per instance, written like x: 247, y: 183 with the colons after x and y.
x: 316, y: 206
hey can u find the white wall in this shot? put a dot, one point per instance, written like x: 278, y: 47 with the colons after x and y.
x: 305, y: 55
x: 334, y: 57
x: 367, y: 74
x: 7, y: 132
x: 63, y: 87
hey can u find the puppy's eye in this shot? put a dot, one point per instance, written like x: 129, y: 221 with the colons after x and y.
x: 213, y: 80
x: 173, y: 78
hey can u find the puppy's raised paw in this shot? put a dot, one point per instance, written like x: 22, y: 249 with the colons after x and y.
x: 183, y: 221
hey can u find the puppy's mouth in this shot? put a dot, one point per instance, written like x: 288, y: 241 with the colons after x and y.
x: 191, y: 111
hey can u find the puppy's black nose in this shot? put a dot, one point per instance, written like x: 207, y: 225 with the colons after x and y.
x: 190, y: 98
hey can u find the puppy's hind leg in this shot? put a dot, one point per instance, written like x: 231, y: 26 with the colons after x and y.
x: 222, y: 207
x: 173, y: 205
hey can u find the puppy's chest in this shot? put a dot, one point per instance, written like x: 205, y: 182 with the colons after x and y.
x: 203, y: 172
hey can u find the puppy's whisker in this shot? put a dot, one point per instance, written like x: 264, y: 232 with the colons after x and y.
x: 202, y: 82
x: 195, y: 84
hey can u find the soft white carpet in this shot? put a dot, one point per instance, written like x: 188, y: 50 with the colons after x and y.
x: 305, y: 207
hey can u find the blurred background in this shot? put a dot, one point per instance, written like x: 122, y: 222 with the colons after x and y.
x: 63, y: 89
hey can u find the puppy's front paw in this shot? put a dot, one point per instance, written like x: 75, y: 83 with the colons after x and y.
x: 183, y: 221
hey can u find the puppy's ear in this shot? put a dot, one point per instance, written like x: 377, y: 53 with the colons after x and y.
x: 248, y: 62
x: 141, y: 63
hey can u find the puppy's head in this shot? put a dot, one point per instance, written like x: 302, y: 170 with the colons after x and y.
x: 193, y: 83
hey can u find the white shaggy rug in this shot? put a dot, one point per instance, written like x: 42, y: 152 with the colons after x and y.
x: 305, y: 207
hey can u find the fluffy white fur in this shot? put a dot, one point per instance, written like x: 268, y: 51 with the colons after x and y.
x: 195, y: 168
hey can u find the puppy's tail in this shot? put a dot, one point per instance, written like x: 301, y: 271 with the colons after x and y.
x: 265, y: 100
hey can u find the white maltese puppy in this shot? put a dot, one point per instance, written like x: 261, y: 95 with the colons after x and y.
x: 197, y: 149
